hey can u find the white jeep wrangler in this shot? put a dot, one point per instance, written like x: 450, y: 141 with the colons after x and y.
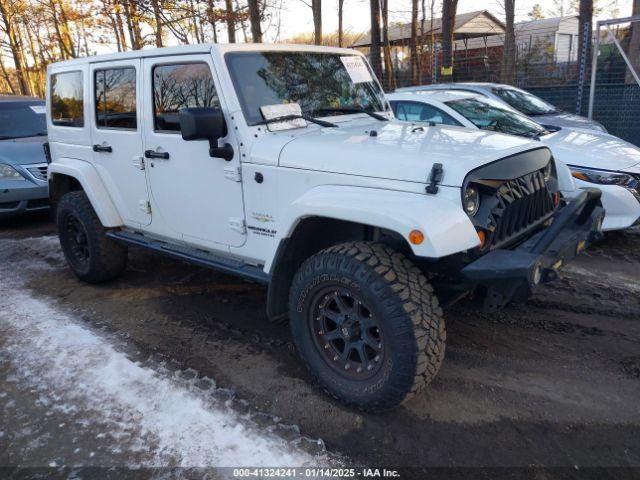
x: 284, y: 165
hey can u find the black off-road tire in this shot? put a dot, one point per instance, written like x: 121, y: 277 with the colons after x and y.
x: 398, y: 294
x: 96, y: 258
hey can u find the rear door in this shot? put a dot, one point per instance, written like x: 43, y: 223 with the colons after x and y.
x: 116, y: 135
x: 197, y: 196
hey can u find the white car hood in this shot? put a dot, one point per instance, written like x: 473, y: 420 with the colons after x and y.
x: 566, y: 119
x: 592, y: 149
x: 400, y: 151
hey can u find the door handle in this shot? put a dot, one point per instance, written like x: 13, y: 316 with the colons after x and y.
x: 152, y: 154
x: 102, y: 148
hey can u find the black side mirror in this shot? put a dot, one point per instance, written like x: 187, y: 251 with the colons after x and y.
x: 206, y: 124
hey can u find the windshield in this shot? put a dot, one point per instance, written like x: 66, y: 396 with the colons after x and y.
x: 22, y: 119
x: 524, y: 102
x: 490, y: 117
x: 318, y: 82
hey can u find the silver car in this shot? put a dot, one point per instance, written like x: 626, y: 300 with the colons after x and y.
x: 520, y: 100
x: 23, y: 166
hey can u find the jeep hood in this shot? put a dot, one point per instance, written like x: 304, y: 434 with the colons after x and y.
x: 399, y: 151
x: 22, y: 151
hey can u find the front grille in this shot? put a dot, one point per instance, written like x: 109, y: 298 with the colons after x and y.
x: 38, y: 170
x: 521, y: 204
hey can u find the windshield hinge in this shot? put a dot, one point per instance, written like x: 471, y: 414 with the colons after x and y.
x: 435, y: 177
x: 138, y: 162
x: 238, y: 224
x: 233, y: 173
x: 145, y: 206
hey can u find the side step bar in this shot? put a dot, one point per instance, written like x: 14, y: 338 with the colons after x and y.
x: 193, y: 255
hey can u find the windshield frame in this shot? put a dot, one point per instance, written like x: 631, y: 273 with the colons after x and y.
x: 25, y: 105
x: 248, y: 110
x: 525, y: 96
x: 514, y: 116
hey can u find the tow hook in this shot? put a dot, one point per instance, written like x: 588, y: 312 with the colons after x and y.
x: 435, y: 177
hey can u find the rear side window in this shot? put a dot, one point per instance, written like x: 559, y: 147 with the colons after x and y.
x: 115, y: 93
x: 67, y: 105
x: 421, y: 112
x: 179, y: 86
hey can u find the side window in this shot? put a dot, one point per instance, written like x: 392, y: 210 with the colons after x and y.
x: 67, y: 104
x: 115, y: 94
x: 421, y: 112
x: 180, y: 86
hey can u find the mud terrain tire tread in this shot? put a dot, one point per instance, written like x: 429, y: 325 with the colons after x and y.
x: 410, y: 307
x: 108, y: 259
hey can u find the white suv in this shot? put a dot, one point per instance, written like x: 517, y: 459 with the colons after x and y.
x: 215, y: 154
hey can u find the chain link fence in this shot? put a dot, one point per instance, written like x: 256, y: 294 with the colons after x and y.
x: 548, y: 65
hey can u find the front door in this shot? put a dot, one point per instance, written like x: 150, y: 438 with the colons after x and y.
x: 116, y: 135
x: 196, y: 195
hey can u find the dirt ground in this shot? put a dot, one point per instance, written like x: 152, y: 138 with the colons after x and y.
x: 554, y: 382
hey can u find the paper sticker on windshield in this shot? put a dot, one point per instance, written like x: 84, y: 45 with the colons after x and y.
x: 39, y: 109
x: 271, y: 112
x: 357, y: 69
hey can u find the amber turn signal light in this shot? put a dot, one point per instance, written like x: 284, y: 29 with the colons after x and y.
x: 580, y: 176
x: 416, y: 237
x: 482, y: 237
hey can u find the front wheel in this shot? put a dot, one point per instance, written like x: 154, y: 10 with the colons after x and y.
x: 367, y: 324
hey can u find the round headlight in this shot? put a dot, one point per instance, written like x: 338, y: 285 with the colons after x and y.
x: 546, y: 172
x: 471, y: 201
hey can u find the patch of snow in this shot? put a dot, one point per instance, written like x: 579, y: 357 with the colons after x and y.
x: 55, y: 352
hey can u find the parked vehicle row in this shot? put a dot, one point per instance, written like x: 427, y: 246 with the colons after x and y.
x: 520, y: 100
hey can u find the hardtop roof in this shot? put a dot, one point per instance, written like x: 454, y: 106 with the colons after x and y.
x: 199, y: 48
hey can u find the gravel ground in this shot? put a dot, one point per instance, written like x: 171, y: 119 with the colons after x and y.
x: 553, y: 382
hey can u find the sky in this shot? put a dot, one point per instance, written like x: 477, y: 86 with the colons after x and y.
x: 297, y: 18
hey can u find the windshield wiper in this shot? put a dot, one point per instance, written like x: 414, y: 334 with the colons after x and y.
x: 286, y: 118
x: 354, y: 110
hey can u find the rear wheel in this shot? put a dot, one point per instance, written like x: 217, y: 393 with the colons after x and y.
x: 367, y: 324
x: 92, y: 256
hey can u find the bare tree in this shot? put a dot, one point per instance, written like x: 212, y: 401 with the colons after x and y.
x: 389, y: 76
x: 508, y: 67
x: 413, y: 45
x: 213, y: 19
x: 585, y: 27
x: 449, y: 8
x: 374, y: 6
x: 255, y: 19
x: 231, y: 21
x: 634, y: 43
x: 316, y: 6
x: 7, y: 15
x: 6, y: 77
x: 340, y: 18
x: 158, y: 21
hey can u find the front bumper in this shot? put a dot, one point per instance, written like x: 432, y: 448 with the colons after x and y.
x: 18, y: 196
x: 511, y: 275
x: 622, y: 207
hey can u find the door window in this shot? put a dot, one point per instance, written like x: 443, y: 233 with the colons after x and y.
x: 67, y: 105
x: 179, y: 86
x: 421, y: 112
x: 115, y: 93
